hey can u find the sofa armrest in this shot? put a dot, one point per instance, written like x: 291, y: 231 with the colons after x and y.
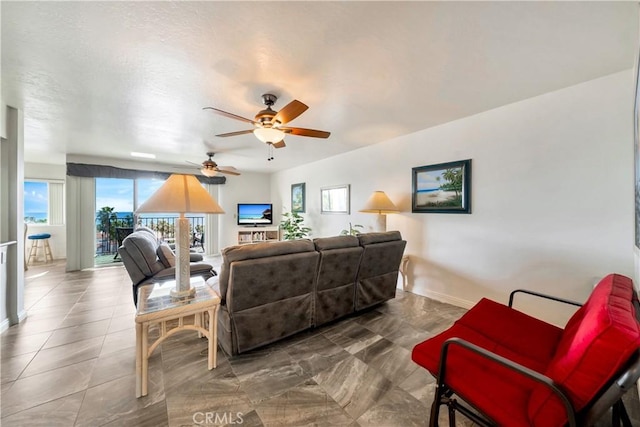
x: 167, y: 273
x: 545, y: 296
x: 214, y: 282
x: 195, y: 269
x: 510, y: 364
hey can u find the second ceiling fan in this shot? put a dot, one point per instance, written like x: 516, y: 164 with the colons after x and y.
x: 269, y: 124
x: 210, y: 168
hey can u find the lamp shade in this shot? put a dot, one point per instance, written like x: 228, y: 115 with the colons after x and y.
x: 379, y: 203
x: 181, y: 194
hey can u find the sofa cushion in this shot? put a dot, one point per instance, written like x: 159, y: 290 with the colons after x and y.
x: 338, y: 267
x: 271, y: 279
x: 271, y: 298
x: 378, y: 271
x: 371, y: 238
x: 258, y: 250
x: 336, y: 242
x: 337, y: 272
x: 166, y: 255
x: 142, y: 249
x: 598, y: 339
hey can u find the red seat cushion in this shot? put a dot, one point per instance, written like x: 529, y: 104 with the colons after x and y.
x: 497, y: 328
x: 502, y: 330
x: 500, y: 393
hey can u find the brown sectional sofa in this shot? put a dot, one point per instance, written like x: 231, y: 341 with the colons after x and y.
x: 270, y: 291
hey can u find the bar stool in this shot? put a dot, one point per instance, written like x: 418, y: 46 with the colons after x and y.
x: 35, y: 244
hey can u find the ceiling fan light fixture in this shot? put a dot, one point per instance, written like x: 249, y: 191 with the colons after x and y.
x: 268, y: 135
x: 209, y: 172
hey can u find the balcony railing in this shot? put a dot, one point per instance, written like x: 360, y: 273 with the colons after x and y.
x: 111, y: 232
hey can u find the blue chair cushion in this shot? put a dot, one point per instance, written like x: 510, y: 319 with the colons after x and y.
x: 39, y: 236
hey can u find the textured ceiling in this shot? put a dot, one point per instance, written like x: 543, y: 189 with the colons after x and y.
x: 108, y: 78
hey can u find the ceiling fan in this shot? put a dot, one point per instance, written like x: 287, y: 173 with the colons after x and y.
x: 269, y: 124
x: 210, y: 168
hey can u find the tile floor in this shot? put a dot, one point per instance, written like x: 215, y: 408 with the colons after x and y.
x: 72, y: 363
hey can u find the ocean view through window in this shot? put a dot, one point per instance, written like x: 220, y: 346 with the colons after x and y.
x: 116, y: 201
x: 36, y: 202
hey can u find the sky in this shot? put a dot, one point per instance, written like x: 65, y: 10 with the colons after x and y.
x: 35, y: 197
x: 430, y: 180
x: 118, y: 193
x: 253, y: 209
x: 110, y: 192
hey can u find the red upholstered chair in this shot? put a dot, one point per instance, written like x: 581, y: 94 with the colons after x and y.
x: 516, y: 370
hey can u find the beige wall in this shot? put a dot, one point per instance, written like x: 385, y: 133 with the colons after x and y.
x: 552, y: 196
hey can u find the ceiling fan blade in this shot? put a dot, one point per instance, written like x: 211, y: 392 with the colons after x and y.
x: 240, y: 132
x: 289, y: 112
x: 306, y: 132
x: 230, y: 115
x: 229, y: 170
x: 279, y: 144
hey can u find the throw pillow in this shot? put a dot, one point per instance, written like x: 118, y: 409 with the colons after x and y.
x: 166, y: 255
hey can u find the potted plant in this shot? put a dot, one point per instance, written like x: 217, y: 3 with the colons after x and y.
x: 353, y: 230
x: 292, y: 226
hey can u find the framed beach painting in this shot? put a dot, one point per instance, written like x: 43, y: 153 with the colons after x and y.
x: 442, y: 188
x: 298, y: 198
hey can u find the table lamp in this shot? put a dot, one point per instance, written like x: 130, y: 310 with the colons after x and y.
x: 181, y: 194
x: 380, y: 204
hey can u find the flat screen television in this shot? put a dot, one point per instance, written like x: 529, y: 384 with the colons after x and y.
x: 255, y: 214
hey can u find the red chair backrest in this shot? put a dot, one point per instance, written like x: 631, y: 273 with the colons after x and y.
x: 596, y: 343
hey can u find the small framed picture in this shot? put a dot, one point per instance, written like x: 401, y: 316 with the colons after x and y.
x: 442, y: 188
x: 335, y: 200
x: 298, y: 197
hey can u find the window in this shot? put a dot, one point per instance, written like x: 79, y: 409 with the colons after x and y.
x: 44, y: 202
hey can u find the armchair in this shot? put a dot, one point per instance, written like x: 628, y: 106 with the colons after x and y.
x: 516, y: 370
x: 147, y: 261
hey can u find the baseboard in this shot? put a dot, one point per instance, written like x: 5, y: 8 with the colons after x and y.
x: 458, y: 302
x: 4, y: 325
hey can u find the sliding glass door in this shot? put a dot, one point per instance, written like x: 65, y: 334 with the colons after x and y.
x: 114, y: 216
x: 116, y: 201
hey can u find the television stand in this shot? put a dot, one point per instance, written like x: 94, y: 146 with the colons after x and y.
x: 256, y: 234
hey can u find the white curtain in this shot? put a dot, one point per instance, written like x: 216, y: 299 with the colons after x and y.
x: 56, y: 203
x: 81, y: 227
x: 211, y: 241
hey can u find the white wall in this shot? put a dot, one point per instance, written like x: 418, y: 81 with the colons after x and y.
x: 246, y: 188
x: 58, y: 241
x: 3, y: 119
x: 11, y: 204
x: 552, y: 196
